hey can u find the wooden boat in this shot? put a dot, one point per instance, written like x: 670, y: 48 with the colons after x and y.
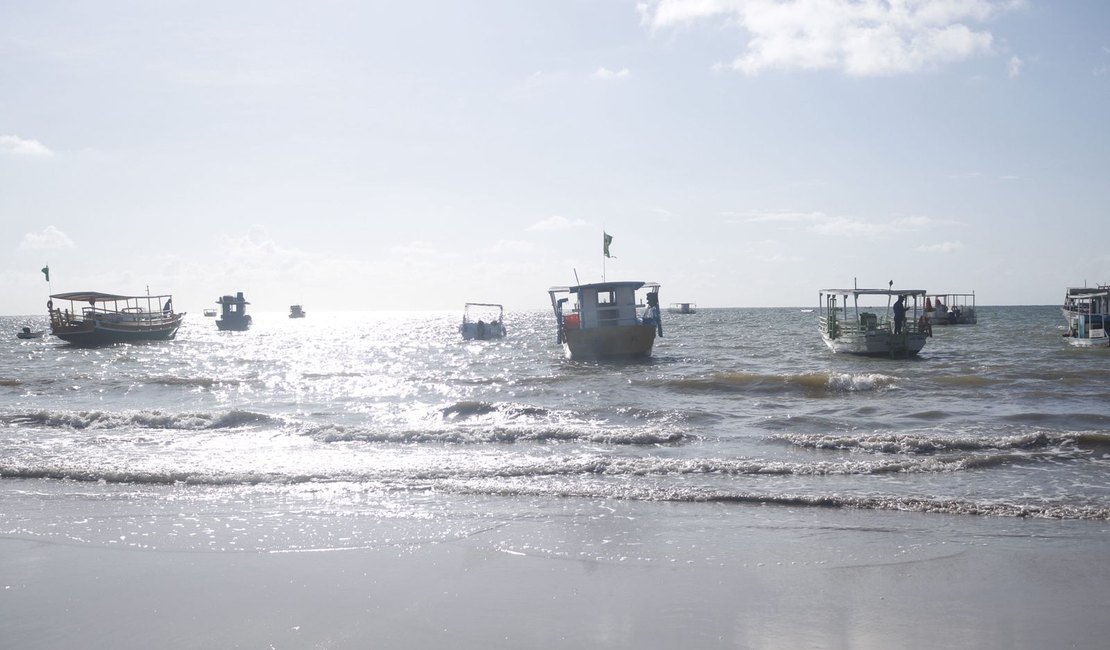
x: 296, y: 311
x: 234, y: 315
x: 483, y: 329
x: 604, y: 322
x: 111, y: 318
x: 950, y: 308
x: 861, y: 330
x: 1090, y: 315
x: 683, y: 308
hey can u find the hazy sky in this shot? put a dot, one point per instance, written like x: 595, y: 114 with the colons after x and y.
x: 411, y: 155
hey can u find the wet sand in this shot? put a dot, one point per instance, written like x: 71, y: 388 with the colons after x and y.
x: 819, y: 579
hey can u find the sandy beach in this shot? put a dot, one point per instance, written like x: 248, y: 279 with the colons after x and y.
x: 760, y: 578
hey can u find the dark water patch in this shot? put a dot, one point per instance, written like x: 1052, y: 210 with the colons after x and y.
x: 10, y: 382
x: 929, y: 416
x: 468, y: 409
x: 1061, y: 420
x: 198, y: 382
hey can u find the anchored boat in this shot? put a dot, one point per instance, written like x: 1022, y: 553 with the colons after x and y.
x: 950, y: 308
x: 234, y: 315
x: 296, y: 311
x: 482, y: 329
x: 682, y: 308
x: 604, y: 322
x: 1088, y: 315
x: 849, y: 327
x: 110, y: 318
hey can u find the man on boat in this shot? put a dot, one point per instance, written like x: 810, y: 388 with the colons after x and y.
x: 899, y: 314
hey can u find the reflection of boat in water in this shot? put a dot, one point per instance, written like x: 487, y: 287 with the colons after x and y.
x: 950, y: 308
x: 27, y: 333
x: 210, y: 313
x: 483, y: 329
x: 234, y: 315
x: 296, y: 311
x: 604, y: 322
x: 867, y: 333
x: 1089, y: 315
x: 682, y: 308
x: 112, y: 318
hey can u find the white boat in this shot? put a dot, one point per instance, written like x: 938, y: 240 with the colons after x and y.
x: 490, y: 323
x: 683, y: 308
x: 604, y: 322
x: 1077, y: 300
x: 27, y: 333
x: 1090, y: 314
x: 111, y: 318
x: 861, y: 329
x: 210, y: 313
x: 950, y: 308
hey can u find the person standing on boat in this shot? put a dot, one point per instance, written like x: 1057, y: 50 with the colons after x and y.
x: 899, y: 314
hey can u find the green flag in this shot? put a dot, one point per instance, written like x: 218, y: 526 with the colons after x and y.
x: 46, y: 272
x: 605, y: 246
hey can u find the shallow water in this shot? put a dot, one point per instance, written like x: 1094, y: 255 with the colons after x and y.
x: 353, y: 429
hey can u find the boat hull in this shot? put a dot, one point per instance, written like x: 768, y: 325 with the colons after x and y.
x: 97, y: 333
x: 877, y: 344
x: 234, y: 324
x: 482, y: 331
x: 621, y: 342
x: 1091, y: 342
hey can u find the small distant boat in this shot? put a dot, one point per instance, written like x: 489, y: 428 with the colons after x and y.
x: 682, y: 308
x: 111, y: 318
x: 1090, y: 314
x: 807, y: 311
x: 295, y: 311
x: 866, y: 333
x: 234, y: 315
x: 26, y: 333
x: 482, y: 329
x: 604, y: 323
x: 210, y: 313
x: 950, y: 308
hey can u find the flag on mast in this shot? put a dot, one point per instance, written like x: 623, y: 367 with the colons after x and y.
x: 46, y: 272
x: 608, y: 239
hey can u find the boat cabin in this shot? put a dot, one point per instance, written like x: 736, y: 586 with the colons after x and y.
x: 233, y: 316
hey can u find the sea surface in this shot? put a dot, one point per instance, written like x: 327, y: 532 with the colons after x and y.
x: 351, y: 430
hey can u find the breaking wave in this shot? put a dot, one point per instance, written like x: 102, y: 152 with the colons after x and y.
x: 147, y: 419
x: 810, y: 384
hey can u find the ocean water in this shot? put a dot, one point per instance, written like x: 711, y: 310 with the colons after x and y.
x: 354, y: 430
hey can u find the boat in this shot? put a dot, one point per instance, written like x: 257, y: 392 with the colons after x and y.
x: 682, y: 308
x: 210, y: 313
x: 604, y: 322
x: 296, y: 311
x: 111, y: 318
x: 234, y: 315
x: 482, y: 329
x: 950, y: 308
x: 861, y: 330
x: 27, y: 333
x: 1077, y: 300
x: 1090, y: 316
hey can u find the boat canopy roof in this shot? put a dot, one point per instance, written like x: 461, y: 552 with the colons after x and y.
x: 483, y: 304
x: 605, y: 286
x: 97, y: 296
x: 875, y: 292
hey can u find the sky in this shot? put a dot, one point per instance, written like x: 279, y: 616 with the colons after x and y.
x: 373, y: 155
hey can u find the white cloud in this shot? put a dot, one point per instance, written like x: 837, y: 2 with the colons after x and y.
x: 49, y: 238
x: 16, y: 145
x: 873, y: 37
x: 1015, y: 67
x: 942, y: 247
x: 824, y: 224
x: 557, y: 222
x: 605, y: 74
